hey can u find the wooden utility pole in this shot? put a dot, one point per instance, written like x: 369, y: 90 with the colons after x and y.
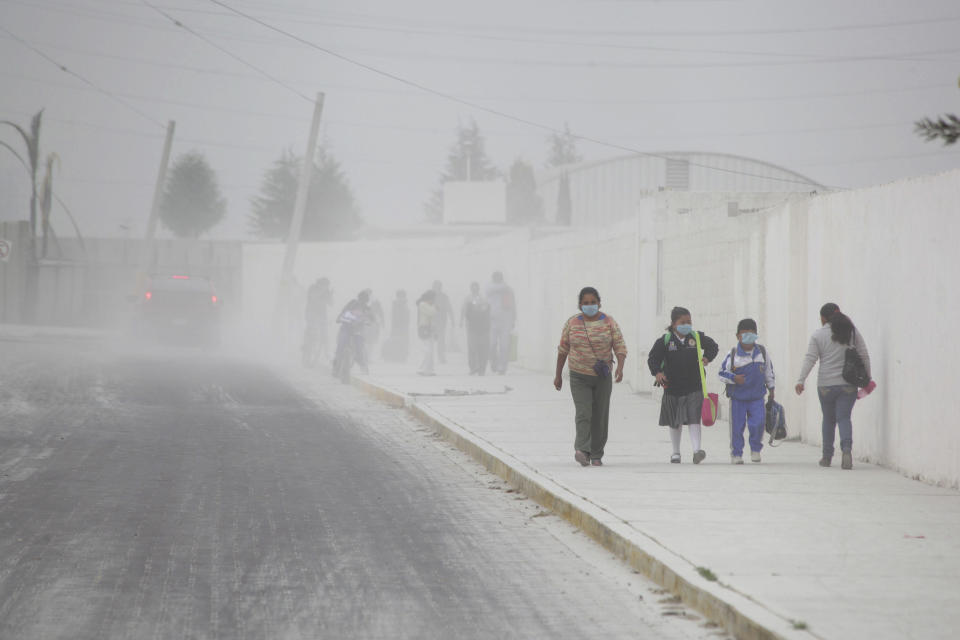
x: 146, y: 256
x: 299, y: 209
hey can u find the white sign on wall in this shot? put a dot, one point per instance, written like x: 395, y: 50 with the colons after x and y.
x: 475, y: 202
x: 5, y: 248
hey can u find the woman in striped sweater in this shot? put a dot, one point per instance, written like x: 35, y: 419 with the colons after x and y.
x: 588, y: 343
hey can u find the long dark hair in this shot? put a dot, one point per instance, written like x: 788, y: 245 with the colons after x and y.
x: 429, y: 295
x: 677, y: 312
x: 841, y: 327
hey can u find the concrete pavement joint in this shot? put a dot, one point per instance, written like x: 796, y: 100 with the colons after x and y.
x: 679, y: 580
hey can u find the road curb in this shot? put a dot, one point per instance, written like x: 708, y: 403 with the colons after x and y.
x: 737, y: 613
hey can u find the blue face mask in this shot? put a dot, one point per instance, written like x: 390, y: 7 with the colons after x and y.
x: 590, y: 310
x: 684, y: 329
x: 748, y: 338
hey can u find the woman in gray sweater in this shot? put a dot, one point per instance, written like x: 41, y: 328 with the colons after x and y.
x: 829, y: 345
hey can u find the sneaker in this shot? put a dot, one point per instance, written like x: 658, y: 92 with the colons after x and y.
x: 825, y: 461
x: 675, y: 458
x: 698, y: 456
x: 736, y: 459
x: 597, y: 462
x: 847, y: 462
x: 582, y: 458
x: 755, y: 456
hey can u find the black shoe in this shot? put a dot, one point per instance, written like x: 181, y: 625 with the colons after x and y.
x: 597, y: 462
x: 825, y: 461
x: 675, y: 458
x: 583, y: 458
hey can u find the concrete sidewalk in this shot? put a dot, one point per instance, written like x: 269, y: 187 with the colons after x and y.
x: 784, y: 548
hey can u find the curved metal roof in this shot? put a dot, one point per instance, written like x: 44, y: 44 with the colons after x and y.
x: 684, y: 155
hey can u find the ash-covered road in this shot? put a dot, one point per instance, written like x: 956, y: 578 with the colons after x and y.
x: 185, y: 494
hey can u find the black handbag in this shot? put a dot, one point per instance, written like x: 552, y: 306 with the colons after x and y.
x: 854, y: 371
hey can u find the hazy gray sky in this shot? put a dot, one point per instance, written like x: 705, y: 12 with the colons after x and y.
x: 829, y: 89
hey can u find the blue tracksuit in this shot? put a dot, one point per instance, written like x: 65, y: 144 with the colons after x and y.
x: 746, y: 400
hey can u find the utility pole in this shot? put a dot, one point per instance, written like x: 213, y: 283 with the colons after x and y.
x: 296, y: 222
x: 146, y: 256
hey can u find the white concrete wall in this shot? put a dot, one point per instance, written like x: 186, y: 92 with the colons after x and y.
x: 886, y: 255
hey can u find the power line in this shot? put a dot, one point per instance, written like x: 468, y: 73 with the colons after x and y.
x: 700, y: 33
x: 911, y: 57
x: 518, y: 98
x: 805, y: 58
x: 298, y: 15
x: 82, y: 78
x: 796, y: 58
x: 473, y: 105
x: 239, y: 59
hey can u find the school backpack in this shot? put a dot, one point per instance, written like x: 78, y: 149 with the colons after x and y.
x: 776, y: 422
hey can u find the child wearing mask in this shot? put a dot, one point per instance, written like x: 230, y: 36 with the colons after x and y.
x: 748, y: 373
x: 674, y: 363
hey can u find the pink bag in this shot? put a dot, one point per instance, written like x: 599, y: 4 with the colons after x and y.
x: 710, y: 408
x: 711, y: 401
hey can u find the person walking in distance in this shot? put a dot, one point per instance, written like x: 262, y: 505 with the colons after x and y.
x: 829, y: 345
x: 673, y: 362
x: 426, y: 330
x: 587, y: 344
x: 319, y: 299
x: 475, y: 314
x: 503, y: 319
x: 444, y: 319
x: 397, y: 347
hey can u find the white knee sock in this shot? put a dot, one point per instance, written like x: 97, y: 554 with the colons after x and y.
x: 675, y: 438
x: 694, y: 437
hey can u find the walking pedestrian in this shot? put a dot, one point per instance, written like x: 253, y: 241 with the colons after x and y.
x: 674, y: 363
x: 397, y: 347
x: 444, y: 319
x: 475, y: 315
x: 503, y: 319
x: 319, y: 299
x: 747, y: 372
x: 829, y: 345
x: 426, y: 330
x: 587, y: 344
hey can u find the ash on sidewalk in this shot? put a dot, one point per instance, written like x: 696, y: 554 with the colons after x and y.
x: 799, y: 550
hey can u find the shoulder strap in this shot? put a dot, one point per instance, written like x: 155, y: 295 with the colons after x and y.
x: 733, y: 359
x: 703, y: 375
x: 666, y: 338
x: 586, y: 332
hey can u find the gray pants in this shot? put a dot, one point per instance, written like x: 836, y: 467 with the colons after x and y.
x: 591, y: 397
x: 499, y: 348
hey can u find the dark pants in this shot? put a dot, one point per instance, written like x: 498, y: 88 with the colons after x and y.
x: 591, y: 398
x: 478, y: 349
x: 837, y: 405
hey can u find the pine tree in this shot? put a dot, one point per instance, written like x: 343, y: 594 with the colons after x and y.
x: 946, y: 127
x: 563, y: 149
x: 467, y: 160
x: 191, y: 203
x: 524, y: 206
x: 331, y: 212
x: 564, y: 202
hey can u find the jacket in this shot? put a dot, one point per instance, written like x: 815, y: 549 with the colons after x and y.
x: 676, y: 357
x: 755, y: 365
